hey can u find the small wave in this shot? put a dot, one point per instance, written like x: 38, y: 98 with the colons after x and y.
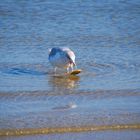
x: 97, y: 69
x: 19, y: 71
x: 23, y: 69
x: 96, y: 94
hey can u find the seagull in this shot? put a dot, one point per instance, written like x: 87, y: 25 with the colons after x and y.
x: 62, y: 58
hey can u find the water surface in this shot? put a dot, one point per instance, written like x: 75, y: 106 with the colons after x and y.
x: 105, y: 38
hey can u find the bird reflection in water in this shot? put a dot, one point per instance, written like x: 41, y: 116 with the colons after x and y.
x: 64, y: 82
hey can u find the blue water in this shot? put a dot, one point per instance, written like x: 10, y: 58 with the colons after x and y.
x: 105, y: 38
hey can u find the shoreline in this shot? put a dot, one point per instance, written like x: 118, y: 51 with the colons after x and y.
x: 75, y: 129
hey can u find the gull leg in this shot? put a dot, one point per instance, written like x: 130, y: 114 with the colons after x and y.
x: 68, y: 70
x: 71, y: 66
x: 75, y: 66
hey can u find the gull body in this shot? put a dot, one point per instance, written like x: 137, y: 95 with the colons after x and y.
x: 62, y: 58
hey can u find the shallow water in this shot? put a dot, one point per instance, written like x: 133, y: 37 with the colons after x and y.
x: 105, y: 38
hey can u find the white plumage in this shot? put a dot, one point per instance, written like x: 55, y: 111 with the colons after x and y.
x: 62, y: 58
